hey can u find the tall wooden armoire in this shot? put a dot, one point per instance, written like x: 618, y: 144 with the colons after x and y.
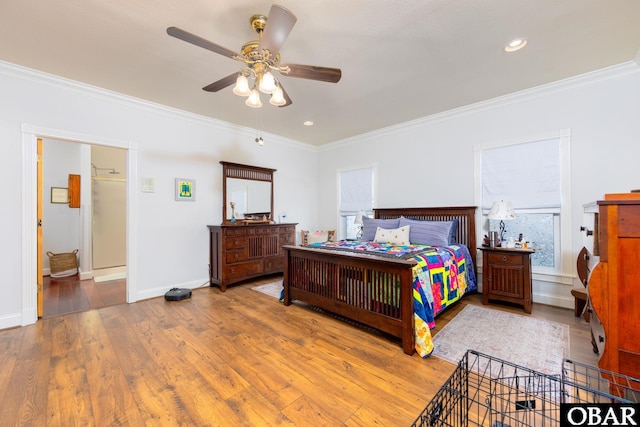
x: 614, y: 285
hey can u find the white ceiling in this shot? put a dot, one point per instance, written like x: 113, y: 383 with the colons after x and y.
x: 400, y: 60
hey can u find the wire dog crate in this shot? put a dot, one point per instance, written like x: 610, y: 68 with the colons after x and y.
x: 486, y: 391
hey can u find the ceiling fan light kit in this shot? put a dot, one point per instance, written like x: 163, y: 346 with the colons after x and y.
x: 253, y: 100
x: 277, y: 98
x: 261, y: 58
x: 242, y: 86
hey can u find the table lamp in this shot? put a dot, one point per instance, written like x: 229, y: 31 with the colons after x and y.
x: 502, y: 211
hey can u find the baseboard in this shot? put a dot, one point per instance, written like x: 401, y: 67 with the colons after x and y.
x: 554, y: 300
x: 10, y: 321
x: 157, y: 292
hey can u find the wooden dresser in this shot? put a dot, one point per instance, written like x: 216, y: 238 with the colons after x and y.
x: 240, y: 252
x: 614, y: 285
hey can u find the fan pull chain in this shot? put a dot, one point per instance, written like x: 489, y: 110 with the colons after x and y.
x: 259, y: 139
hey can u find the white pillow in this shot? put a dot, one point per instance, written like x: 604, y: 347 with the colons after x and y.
x: 396, y: 236
x: 317, y: 237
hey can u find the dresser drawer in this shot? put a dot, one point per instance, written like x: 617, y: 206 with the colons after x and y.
x: 235, y: 255
x: 261, y: 230
x: 288, y: 229
x: 242, y: 270
x: 274, y: 264
x: 506, y: 258
x: 234, y: 231
x: 235, y: 242
x: 287, y: 239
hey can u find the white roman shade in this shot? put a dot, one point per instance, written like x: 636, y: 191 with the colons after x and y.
x: 529, y: 175
x: 356, y: 191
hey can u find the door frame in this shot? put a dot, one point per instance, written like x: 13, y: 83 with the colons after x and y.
x: 30, y: 135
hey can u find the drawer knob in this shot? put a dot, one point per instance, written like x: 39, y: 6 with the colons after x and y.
x: 504, y: 258
x: 236, y: 256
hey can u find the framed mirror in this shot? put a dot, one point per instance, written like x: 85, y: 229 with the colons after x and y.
x: 247, y: 194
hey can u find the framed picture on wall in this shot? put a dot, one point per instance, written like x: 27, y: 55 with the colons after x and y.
x: 185, y: 189
x: 59, y: 195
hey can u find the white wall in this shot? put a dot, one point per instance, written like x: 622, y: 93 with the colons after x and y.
x: 172, y: 236
x: 61, y: 226
x: 601, y: 110
x: 429, y: 162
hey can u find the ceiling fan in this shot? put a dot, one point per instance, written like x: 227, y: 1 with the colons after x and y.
x: 261, y: 58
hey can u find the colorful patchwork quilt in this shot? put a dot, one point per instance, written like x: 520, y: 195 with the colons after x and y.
x: 441, y: 277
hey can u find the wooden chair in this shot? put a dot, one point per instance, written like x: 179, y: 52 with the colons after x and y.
x: 580, y: 294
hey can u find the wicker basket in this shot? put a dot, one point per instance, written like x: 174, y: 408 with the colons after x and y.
x: 63, y: 265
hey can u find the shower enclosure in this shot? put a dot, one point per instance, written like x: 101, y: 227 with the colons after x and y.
x: 108, y: 211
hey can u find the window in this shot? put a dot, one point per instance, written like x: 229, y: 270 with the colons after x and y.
x: 542, y: 230
x: 534, y: 176
x: 356, y: 194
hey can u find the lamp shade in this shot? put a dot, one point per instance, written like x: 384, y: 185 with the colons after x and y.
x: 358, y: 219
x: 242, y: 86
x: 277, y: 98
x: 253, y: 100
x: 267, y: 83
x: 502, y: 210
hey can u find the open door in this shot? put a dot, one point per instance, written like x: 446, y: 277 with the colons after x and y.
x: 39, y: 255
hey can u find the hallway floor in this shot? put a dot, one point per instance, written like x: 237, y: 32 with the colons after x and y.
x: 70, y: 294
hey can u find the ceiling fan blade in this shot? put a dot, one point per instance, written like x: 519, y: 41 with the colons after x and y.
x: 279, y: 24
x: 286, y: 97
x: 199, y: 41
x: 312, y: 72
x: 222, y: 83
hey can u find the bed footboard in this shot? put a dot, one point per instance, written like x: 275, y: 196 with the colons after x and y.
x: 375, y: 291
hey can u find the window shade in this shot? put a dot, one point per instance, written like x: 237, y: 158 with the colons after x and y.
x: 356, y: 191
x: 528, y: 175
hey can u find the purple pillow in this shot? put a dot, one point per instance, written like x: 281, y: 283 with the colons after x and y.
x: 431, y: 233
x: 370, y: 225
x: 453, y: 237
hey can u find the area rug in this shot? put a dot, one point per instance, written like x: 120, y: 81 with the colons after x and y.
x: 272, y: 289
x: 533, y: 343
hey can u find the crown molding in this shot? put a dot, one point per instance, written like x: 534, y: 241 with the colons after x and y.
x: 24, y: 73
x: 588, y: 79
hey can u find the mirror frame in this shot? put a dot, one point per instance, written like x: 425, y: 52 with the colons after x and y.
x: 239, y: 171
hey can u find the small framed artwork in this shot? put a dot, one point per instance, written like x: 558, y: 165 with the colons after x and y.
x: 59, y: 195
x: 185, y: 189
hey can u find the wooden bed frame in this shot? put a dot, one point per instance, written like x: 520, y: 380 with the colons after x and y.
x: 355, y: 285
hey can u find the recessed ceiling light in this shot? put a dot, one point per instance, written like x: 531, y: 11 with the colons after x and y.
x: 308, y: 123
x: 515, y: 44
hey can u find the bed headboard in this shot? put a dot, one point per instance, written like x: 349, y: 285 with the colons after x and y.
x: 466, y: 215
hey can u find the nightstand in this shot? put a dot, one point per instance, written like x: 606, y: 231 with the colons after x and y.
x: 506, y: 276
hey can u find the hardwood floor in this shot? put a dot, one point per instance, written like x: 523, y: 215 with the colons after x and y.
x: 237, y: 358
x: 70, y: 294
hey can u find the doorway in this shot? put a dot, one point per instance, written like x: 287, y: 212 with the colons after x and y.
x: 102, y: 200
x: 30, y: 134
